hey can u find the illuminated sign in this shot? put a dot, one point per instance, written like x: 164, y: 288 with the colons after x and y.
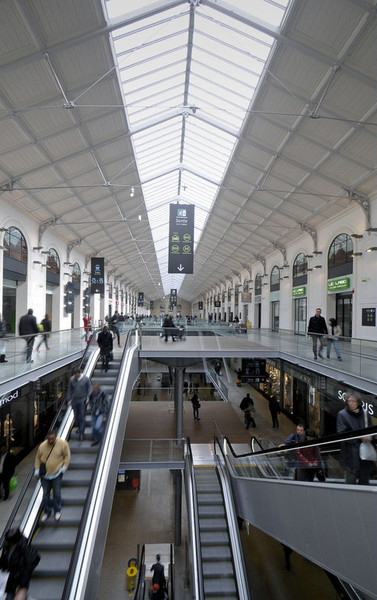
x: 342, y: 283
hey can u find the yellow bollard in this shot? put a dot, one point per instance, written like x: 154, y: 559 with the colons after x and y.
x: 131, y: 577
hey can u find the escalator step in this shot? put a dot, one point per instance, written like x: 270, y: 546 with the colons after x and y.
x: 216, y: 553
x: 74, y: 477
x: 209, y: 498
x: 214, y: 538
x: 82, y: 460
x: 73, y: 495
x: 214, y: 524
x: 78, y: 447
x: 53, y: 564
x: 47, y: 589
x: 211, y: 510
x: 207, y: 488
x: 220, y: 587
x: 218, y: 569
x: 55, y: 537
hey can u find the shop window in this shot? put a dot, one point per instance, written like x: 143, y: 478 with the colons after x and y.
x: 275, y: 279
x: 258, y: 284
x: 340, y: 260
x: 300, y: 270
x: 15, y: 244
x: 245, y: 287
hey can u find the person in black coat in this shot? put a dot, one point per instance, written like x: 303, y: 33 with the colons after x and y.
x: 246, y: 405
x: 274, y: 410
x: 46, y: 324
x: 317, y: 329
x: 353, y: 418
x: 28, y: 327
x: 158, y: 573
x: 169, y: 328
x: 7, y: 466
x: 195, y: 405
x: 105, y: 342
x: 20, y: 560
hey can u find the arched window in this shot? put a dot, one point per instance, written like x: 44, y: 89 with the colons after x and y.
x: 340, y: 260
x: 229, y: 294
x: 258, y: 284
x: 15, y: 244
x: 76, y: 278
x: 275, y: 279
x: 53, y: 262
x: 223, y: 297
x: 110, y: 290
x: 300, y: 270
x: 245, y: 287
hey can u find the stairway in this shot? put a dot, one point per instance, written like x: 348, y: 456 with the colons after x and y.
x: 55, y: 541
x: 217, y: 561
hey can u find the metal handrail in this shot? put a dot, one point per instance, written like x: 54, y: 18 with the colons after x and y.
x: 198, y: 584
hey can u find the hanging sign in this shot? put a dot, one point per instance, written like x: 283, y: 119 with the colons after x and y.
x: 97, y: 275
x: 181, y: 239
x: 173, y: 297
x: 140, y: 299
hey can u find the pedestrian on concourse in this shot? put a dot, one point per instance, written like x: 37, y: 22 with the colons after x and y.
x: 7, y: 466
x: 247, y: 405
x: 274, y: 407
x: 309, y: 461
x: 54, y: 454
x: 46, y: 324
x: 105, y: 342
x: 28, y: 327
x: 195, y: 405
x: 168, y: 327
x: 353, y: 418
x: 87, y: 326
x: 158, y: 573
x: 99, y: 408
x: 3, y: 333
x: 333, y: 338
x: 317, y: 329
x: 155, y: 398
x: 114, y: 320
x: 79, y: 390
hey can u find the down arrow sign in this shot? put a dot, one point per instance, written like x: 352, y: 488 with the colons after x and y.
x: 180, y: 268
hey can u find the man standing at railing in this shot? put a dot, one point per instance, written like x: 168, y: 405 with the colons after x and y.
x: 317, y: 329
x: 28, y: 326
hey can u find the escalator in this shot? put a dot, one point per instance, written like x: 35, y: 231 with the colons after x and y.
x: 72, y: 550
x: 55, y: 541
x: 330, y: 523
x: 218, y: 569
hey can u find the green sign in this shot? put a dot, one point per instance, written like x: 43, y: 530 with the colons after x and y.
x: 342, y: 283
x: 299, y: 291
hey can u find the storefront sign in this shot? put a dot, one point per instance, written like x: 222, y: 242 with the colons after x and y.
x: 217, y: 304
x: 299, y: 291
x: 342, y: 283
x: 367, y: 406
x: 5, y: 399
x: 245, y: 297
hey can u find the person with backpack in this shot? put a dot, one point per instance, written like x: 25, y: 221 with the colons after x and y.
x: 20, y: 559
x: 195, y: 406
x: 247, y: 405
x: 46, y: 331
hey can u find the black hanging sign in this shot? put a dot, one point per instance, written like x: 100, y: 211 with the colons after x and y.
x: 181, y: 239
x: 173, y: 297
x: 151, y: 304
x: 140, y: 299
x: 97, y: 275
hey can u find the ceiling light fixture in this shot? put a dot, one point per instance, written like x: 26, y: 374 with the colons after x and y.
x: 372, y: 249
x: 132, y: 191
x: 317, y: 267
x: 357, y: 236
x: 37, y: 262
x: 356, y: 254
x: 37, y: 247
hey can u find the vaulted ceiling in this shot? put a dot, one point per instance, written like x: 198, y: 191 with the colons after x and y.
x: 262, y: 114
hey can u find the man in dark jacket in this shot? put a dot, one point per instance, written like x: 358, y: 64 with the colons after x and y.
x: 274, y: 407
x: 28, y: 326
x: 105, y: 342
x: 246, y: 405
x: 79, y: 390
x: 16, y: 552
x: 168, y: 326
x: 158, y: 573
x: 317, y: 329
x: 353, y: 418
x: 7, y: 465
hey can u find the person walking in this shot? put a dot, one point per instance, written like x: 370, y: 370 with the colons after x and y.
x: 46, y: 324
x: 114, y: 320
x: 19, y: 559
x: 247, y: 405
x: 195, y: 405
x: 87, y: 327
x: 7, y: 466
x: 317, y: 329
x: 51, y: 461
x: 333, y: 338
x: 105, y: 342
x: 353, y: 418
x: 28, y: 327
x: 274, y: 408
x: 158, y: 573
x: 3, y: 333
x: 99, y: 408
x: 79, y: 389
x: 168, y: 327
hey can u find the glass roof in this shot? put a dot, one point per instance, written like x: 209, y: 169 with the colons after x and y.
x: 188, y: 75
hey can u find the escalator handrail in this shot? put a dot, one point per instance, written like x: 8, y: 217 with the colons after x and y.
x: 78, y: 542
x: 197, y: 562
x: 255, y: 439
x: 140, y: 577
x: 30, y: 477
x: 230, y: 512
x: 323, y: 441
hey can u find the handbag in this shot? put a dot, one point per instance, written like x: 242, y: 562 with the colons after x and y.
x: 366, y: 449
x: 13, y: 482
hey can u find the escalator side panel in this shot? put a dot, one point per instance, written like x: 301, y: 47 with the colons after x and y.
x: 328, y: 524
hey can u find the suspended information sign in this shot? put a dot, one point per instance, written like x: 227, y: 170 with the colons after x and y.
x: 181, y: 239
x: 97, y: 275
